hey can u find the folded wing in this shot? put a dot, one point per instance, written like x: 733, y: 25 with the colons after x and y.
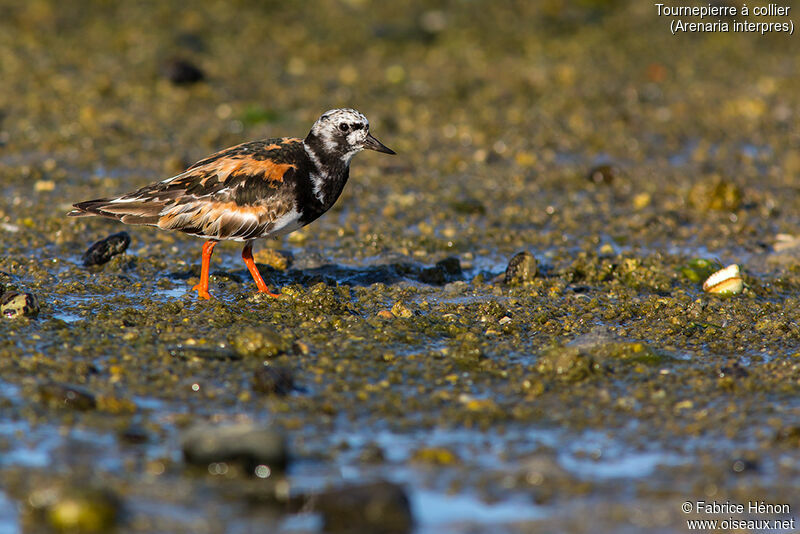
x: 240, y: 193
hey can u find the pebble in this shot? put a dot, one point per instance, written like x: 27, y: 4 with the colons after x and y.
x: 569, y: 364
x: 400, y: 310
x: 71, y: 396
x: 435, y: 456
x: 468, y: 206
x: 603, y: 174
x: 719, y: 195
x: 250, y: 446
x: 76, y: 508
x: 14, y: 304
x: 182, y: 72
x: 258, y: 342
x: 273, y: 380
x: 521, y: 269
x: 105, y: 249
x: 376, y: 507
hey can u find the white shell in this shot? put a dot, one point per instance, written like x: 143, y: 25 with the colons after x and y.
x: 727, y: 281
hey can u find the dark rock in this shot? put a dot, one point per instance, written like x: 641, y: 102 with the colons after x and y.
x: 744, y: 464
x: 734, y: 370
x: 380, y: 507
x: 521, y: 269
x: 105, y: 249
x: 134, y: 434
x: 468, y: 206
x: 182, y: 72
x: 273, y: 380
x: 245, y: 444
x: 603, y: 174
x: 203, y: 352
x: 444, y: 271
x: 432, y: 275
x: 13, y: 304
x: 451, y: 265
x: 67, y: 396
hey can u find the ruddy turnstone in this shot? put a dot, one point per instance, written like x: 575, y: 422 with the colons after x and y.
x: 263, y: 188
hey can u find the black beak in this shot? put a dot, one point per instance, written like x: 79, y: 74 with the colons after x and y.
x: 373, y: 144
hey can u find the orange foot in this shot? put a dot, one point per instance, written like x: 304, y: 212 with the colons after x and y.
x: 270, y: 293
x: 202, y: 292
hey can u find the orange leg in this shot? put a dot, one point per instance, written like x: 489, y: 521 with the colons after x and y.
x: 202, y: 287
x: 247, y: 256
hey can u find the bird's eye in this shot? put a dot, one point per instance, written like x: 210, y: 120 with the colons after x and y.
x: 344, y: 126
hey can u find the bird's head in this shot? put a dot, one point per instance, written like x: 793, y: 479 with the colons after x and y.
x: 343, y: 133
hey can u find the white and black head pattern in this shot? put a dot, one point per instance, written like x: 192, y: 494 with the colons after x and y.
x: 341, y: 134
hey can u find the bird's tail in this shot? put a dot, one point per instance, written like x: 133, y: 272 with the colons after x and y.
x: 130, y: 211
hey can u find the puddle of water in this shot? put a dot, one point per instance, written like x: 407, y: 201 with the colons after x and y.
x: 31, y: 451
x: 596, y: 456
x: 9, y: 515
x: 434, y: 511
x: 68, y: 317
x: 301, y: 523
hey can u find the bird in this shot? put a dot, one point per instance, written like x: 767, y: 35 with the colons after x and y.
x: 265, y: 188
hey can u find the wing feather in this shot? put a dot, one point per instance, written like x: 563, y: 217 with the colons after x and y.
x: 238, y: 193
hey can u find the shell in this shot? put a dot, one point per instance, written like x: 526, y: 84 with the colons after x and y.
x: 727, y: 281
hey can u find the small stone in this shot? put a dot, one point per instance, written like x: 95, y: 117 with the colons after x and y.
x: 105, y: 249
x: 261, y: 342
x: 182, y: 72
x: 603, y: 174
x: 468, y: 206
x: 134, y: 433
x: 567, y: 363
x: 719, y: 195
x: 734, y: 370
x: 13, y: 304
x: 61, y: 395
x: 435, y: 455
x: 273, y: 380
x: 521, y: 269
x: 788, y: 434
x: 385, y: 314
x: 380, y: 507
x: 44, y: 186
x: 641, y: 201
x: 245, y: 444
x: 400, y: 310
x: 115, y: 405
x: 454, y: 288
x: 372, y: 453
x: 76, y: 509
